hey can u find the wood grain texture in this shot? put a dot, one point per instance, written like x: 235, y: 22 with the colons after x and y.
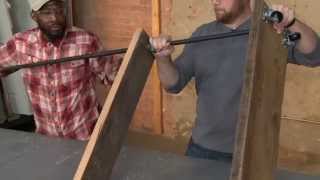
x: 106, y: 140
x: 299, y: 149
x: 257, y: 139
x: 115, y: 22
x: 156, y: 86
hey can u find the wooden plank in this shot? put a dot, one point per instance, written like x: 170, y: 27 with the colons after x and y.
x: 157, y: 98
x: 257, y: 139
x: 105, y: 142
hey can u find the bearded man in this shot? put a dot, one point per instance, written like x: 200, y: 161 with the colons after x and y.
x: 218, y: 68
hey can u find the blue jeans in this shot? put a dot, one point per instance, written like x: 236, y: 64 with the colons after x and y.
x: 196, y: 151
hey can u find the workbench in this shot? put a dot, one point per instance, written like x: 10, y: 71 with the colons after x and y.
x: 30, y: 156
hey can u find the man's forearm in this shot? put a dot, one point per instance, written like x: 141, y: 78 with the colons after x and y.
x: 167, y: 71
x: 308, y: 41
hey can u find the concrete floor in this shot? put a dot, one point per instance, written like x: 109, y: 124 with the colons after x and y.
x: 147, y: 141
x: 137, y: 139
x: 156, y: 142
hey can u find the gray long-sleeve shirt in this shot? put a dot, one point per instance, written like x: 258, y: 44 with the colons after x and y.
x: 218, y: 68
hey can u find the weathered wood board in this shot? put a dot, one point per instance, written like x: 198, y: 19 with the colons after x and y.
x: 257, y: 139
x: 106, y: 140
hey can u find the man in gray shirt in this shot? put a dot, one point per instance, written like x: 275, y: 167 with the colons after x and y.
x: 218, y: 68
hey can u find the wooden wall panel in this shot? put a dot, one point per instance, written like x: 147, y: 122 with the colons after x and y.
x: 299, y: 146
x: 302, y: 98
x: 114, y: 22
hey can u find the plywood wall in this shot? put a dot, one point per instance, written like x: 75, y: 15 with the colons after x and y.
x: 113, y: 21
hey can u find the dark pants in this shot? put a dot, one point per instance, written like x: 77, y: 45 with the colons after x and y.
x: 196, y: 151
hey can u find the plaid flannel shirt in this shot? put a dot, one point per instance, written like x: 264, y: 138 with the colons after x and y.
x: 62, y: 96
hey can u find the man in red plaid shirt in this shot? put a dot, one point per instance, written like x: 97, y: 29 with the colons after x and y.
x: 63, y: 96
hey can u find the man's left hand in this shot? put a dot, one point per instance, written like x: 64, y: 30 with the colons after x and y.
x: 288, y: 17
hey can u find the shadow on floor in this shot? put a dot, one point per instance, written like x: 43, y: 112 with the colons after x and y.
x: 23, y: 123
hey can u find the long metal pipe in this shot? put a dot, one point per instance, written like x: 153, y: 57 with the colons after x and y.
x: 123, y: 50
